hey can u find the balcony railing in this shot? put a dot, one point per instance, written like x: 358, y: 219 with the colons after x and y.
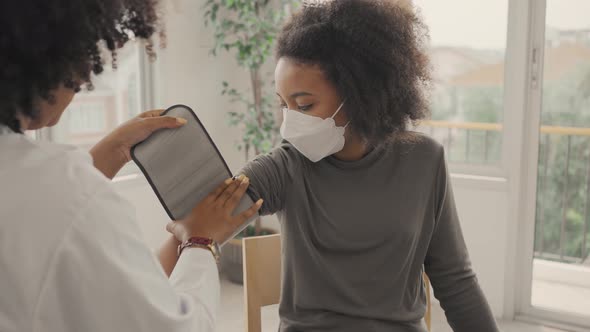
x: 467, y: 142
x: 563, y: 197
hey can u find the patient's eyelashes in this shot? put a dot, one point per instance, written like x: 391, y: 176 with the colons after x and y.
x: 305, y: 107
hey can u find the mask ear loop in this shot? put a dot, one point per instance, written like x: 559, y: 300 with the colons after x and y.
x: 338, y: 110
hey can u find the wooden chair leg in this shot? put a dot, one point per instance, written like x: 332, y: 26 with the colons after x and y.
x: 253, y: 319
x: 428, y: 316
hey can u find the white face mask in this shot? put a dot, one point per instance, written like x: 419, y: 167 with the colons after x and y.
x: 314, y: 137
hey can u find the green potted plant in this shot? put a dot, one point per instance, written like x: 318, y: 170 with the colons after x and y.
x: 248, y: 29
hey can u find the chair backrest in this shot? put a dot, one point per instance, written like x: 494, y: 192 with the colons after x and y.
x: 262, y: 278
x: 428, y: 314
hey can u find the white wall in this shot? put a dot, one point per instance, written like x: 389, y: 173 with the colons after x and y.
x: 151, y: 216
x: 186, y: 73
x: 482, y: 206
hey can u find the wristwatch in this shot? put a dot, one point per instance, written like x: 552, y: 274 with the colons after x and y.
x: 203, y: 243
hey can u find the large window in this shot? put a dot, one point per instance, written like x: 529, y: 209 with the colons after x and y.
x: 468, y: 43
x: 561, y: 269
x: 117, y: 96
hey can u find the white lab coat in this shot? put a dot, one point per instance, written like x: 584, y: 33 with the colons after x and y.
x: 72, y: 258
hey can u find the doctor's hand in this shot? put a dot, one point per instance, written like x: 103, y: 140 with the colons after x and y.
x: 213, y: 217
x: 113, y: 151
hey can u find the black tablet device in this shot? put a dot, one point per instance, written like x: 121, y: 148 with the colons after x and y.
x: 183, y: 165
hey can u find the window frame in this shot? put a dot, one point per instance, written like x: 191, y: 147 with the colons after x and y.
x: 146, y: 102
x: 526, y: 195
x: 495, y: 172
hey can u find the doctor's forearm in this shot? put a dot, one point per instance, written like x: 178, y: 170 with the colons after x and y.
x: 108, y: 158
x: 168, y: 254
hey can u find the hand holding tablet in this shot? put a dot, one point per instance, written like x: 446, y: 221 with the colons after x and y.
x: 183, y: 167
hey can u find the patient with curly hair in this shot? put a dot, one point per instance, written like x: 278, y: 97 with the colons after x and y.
x: 365, y: 204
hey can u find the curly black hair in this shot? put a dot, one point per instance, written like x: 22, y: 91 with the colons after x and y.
x: 374, y: 52
x: 46, y: 43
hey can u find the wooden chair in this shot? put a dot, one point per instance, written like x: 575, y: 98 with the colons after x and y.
x: 428, y: 314
x: 262, y: 279
x: 262, y: 276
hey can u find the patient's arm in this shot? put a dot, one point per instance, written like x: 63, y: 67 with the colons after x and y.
x: 449, y: 268
x: 270, y: 176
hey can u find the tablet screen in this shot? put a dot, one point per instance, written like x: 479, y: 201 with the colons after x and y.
x: 183, y: 165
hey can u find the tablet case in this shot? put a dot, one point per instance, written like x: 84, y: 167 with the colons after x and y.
x: 183, y: 166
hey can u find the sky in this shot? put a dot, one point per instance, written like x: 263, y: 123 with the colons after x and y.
x: 482, y: 23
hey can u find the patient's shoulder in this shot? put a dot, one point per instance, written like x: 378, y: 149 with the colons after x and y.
x: 415, y: 148
x: 286, y: 151
x: 283, y: 160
